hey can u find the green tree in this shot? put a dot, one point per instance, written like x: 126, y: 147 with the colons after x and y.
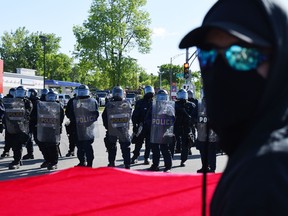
x: 59, y: 66
x: 166, y: 70
x: 113, y: 29
x: 177, y: 69
x: 20, y: 49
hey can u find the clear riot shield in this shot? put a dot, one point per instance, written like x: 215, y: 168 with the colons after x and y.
x: 48, y: 122
x: 202, y: 123
x: 119, y: 115
x: 15, y: 119
x: 162, y: 124
x: 86, y: 116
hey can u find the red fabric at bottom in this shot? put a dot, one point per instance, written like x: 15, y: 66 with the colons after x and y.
x: 106, y: 191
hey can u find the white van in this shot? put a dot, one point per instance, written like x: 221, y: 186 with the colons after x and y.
x: 63, y: 99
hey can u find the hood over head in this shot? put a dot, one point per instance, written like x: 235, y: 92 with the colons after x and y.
x: 263, y: 23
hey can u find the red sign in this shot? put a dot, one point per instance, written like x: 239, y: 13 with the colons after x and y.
x: 1, y: 75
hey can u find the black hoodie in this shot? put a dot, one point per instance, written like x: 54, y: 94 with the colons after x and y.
x: 255, y: 181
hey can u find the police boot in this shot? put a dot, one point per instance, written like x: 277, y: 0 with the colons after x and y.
x: 134, y: 160
x: 70, y: 153
x: 153, y: 168
x: 5, y: 154
x: 81, y: 164
x: 52, y: 166
x: 147, y: 161
x: 14, y: 165
x: 28, y: 156
x: 89, y: 163
x: 44, y: 164
x: 111, y: 164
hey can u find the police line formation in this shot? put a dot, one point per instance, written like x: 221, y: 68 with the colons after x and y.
x: 166, y: 127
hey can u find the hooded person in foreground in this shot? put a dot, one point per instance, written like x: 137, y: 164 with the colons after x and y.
x: 242, y: 48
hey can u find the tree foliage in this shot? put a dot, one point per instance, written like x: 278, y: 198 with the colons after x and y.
x: 20, y: 49
x: 177, y: 69
x: 113, y: 29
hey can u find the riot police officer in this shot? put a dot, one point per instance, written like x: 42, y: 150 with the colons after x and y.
x: 8, y: 137
x: 191, y: 98
x: 83, y: 113
x: 207, y: 140
x: 161, y: 119
x: 186, y: 113
x: 50, y: 115
x: 140, y: 130
x: 116, y: 117
x: 17, y: 116
x: 69, y: 128
x: 43, y: 94
x: 32, y: 96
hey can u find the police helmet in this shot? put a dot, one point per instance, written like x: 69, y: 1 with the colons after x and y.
x: 190, y: 94
x: 75, y: 91
x: 20, y: 92
x: 51, y: 96
x: 149, y: 89
x: 162, y: 95
x: 32, y: 93
x: 12, y: 91
x: 83, y: 90
x: 117, y: 93
x: 182, y: 94
x: 44, y: 92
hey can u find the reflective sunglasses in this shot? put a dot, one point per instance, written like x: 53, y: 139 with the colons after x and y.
x: 238, y: 57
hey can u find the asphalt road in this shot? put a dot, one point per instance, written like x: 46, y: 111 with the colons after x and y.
x: 32, y: 167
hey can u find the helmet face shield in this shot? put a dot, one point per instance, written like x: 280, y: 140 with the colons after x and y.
x: 51, y: 97
x: 75, y: 91
x: 162, y: 95
x: 20, y: 92
x: 12, y: 92
x: 44, y: 92
x: 149, y: 89
x: 117, y: 92
x: 32, y: 93
x: 82, y: 92
x: 182, y: 94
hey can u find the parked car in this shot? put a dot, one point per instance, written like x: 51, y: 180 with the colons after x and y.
x: 102, y: 97
x: 63, y: 99
x: 131, y: 97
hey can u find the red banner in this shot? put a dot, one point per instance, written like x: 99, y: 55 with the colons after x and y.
x: 106, y: 191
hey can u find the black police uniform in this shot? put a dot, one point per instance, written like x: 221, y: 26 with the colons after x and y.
x: 207, y: 141
x: 8, y: 137
x: 50, y: 150
x: 111, y: 141
x: 22, y: 137
x: 158, y: 149
x: 142, y: 106
x: 84, y: 148
x: 186, y: 114
x: 70, y: 132
x: 32, y: 130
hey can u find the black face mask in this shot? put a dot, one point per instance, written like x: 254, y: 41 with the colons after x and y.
x: 232, y: 98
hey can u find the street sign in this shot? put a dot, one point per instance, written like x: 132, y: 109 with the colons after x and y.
x: 179, y: 75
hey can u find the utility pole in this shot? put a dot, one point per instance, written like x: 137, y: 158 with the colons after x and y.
x: 44, y: 40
